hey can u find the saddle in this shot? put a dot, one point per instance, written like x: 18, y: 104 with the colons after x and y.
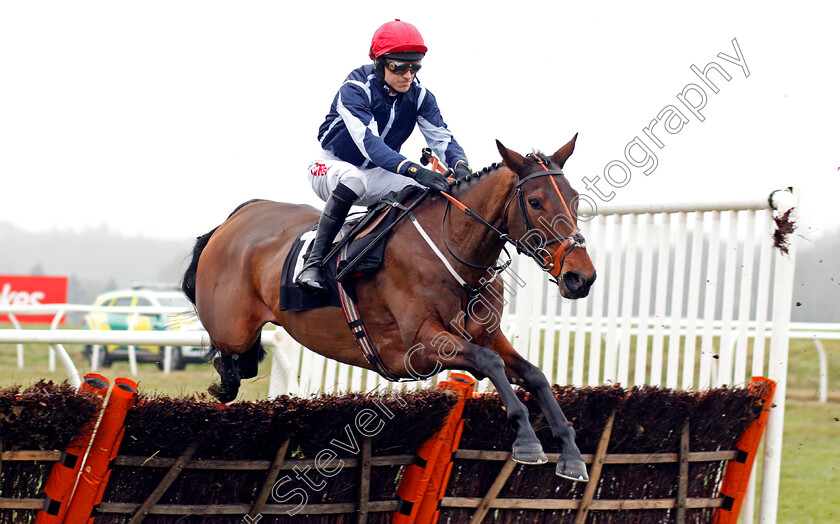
x: 359, y: 249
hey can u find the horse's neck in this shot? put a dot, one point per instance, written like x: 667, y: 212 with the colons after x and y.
x: 487, y: 198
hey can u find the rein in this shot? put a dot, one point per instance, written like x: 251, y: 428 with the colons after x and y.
x: 469, y: 212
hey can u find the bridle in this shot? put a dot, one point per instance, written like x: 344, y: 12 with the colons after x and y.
x: 550, y: 262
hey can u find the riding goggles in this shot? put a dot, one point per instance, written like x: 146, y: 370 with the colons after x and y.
x: 401, y: 67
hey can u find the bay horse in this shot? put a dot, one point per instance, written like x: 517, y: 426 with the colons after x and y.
x: 421, y: 319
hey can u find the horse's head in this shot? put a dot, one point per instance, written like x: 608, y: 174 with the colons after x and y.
x: 542, y: 218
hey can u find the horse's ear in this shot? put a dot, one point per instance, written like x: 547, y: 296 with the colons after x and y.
x: 561, y: 155
x: 512, y: 159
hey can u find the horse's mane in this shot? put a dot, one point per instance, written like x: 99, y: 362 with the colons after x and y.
x: 492, y: 168
x: 464, y: 184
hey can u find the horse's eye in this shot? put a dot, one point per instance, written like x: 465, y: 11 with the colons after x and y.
x: 535, y: 203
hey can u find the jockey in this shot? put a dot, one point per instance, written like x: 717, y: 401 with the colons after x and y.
x: 372, y: 115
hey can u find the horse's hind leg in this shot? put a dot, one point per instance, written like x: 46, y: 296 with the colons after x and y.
x: 571, y: 464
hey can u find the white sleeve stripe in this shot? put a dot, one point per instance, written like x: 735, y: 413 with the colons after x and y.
x: 365, y: 87
x: 373, y: 126
x: 390, y: 122
x: 421, y: 97
x: 438, y: 138
x: 332, y: 125
x: 354, y: 126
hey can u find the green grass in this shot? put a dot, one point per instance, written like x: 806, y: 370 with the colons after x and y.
x: 803, y: 367
x: 810, y: 463
x: 150, y: 379
x: 811, y: 449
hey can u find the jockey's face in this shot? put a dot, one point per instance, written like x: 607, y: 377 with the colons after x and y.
x: 400, y: 83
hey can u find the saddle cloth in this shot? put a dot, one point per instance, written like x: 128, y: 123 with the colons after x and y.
x: 381, y: 217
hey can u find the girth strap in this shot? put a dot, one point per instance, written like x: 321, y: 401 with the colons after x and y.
x: 360, y: 334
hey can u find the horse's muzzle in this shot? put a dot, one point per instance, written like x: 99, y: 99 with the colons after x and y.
x: 574, y: 284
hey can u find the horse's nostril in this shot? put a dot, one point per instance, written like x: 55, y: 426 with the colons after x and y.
x: 573, y: 280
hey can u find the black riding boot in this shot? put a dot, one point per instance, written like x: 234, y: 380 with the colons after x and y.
x: 332, y: 218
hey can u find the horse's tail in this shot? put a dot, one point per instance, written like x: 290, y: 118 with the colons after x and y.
x: 188, y: 282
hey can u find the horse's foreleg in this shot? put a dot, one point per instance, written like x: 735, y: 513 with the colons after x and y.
x: 571, y: 464
x: 442, y: 350
x: 228, y: 388
x: 248, y: 363
x: 236, y: 359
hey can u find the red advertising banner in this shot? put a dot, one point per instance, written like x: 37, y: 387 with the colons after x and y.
x: 19, y: 290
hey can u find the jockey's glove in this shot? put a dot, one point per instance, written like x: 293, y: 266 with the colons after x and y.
x: 462, y: 171
x: 427, y: 177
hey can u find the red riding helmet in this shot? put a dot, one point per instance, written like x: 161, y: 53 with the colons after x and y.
x: 397, y: 37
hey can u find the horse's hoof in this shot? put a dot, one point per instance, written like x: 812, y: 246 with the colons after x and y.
x: 572, y: 469
x: 222, y: 393
x: 531, y: 453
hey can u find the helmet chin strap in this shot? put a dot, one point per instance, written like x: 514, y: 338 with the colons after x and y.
x: 379, y: 68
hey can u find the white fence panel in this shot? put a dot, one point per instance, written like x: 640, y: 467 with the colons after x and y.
x: 597, y: 299
x: 677, y: 293
x: 660, y: 303
x: 610, y: 346
x: 744, y: 303
x: 640, y: 366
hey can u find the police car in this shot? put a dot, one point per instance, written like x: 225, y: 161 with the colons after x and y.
x: 152, y: 296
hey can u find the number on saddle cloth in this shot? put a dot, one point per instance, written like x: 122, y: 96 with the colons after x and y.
x: 295, y: 298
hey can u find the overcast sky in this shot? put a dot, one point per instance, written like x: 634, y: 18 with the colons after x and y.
x: 157, y: 118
